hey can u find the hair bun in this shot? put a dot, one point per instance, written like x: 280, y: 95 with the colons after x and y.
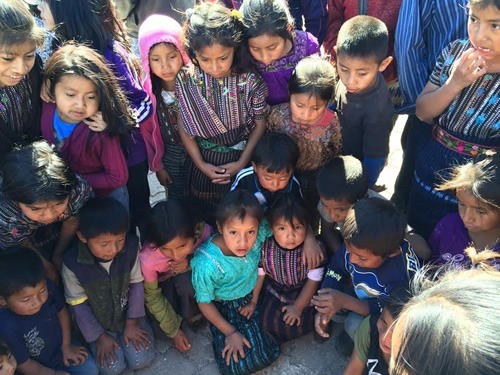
x: 189, y: 13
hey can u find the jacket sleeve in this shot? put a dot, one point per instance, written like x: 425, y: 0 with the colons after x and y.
x: 335, y: 20
x: 150, y: 131
x: 161, y: 309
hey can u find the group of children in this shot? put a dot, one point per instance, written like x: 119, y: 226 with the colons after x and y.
x: 248, y: 187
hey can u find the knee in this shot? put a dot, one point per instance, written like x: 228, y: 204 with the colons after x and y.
x: 139, y: 360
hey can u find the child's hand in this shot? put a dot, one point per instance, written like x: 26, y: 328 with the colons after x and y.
x: 218, y: 175
x: 320, y: 323
x: 163, y: 177
x: 106, y: 346
x: 292, y: 315
x: 469, y: 67
x: 76, y: 354
x: 135, y: 334
x: 181, y: 342
x: 312, y: 255
x: 248, y: 309
x: 328, y: 301
x: 96, y: 122
x: 235, y: 343
x: 179, y: 266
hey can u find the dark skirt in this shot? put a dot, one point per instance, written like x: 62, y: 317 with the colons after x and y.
x: 175, y: 163
x: 264, y: 349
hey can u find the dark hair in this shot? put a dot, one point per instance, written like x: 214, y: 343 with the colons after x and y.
x: 375, y: 224
x: 238, y: 203
x: 342, y: 178
x: 4, y: 348
x: 212, y: 23
x: 485, y: 3
x: 315, y: 76
x: 288, y: 207
x: 36, y: 173
x: 103, y: 215
x: 397, y: 300
x: 20, y: 267
x: 276, y: 152
x: 363, y: 37
x: 271, y: 17
x: 170, y: 219
x: 17, y: 25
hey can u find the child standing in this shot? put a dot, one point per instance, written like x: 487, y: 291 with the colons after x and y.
x: 273, y: 43
x: 171, y: 239
x: 83, y: 87
x: 224, y: 275
x: 162, y: 57
x: 103, y: 285
x: 222, y: 105
x: 8, y: 363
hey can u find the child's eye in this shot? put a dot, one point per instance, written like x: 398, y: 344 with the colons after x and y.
x: 92, y: 97
x: 223, y: 58
x: 281, y: 228
x: 232, y: 233
x: 70, y: 95
x: 30, y: 56
x: 252, y: 232
x: 7, y: 58
x: 272, y: 48
x: 362, y: 74
x: 482, y: 212
x: 155, y: 59
x: 298, y: 227
x: 472, y: 19
x: 495, y: 26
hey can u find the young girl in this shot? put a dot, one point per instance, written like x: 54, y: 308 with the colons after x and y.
x: 461, y: 98
x: 273, y: 43
x: 162, y: 57
x: 309, y: 122
x: 19, y: 76
x: 83, y: 87
x: 172, y: 236
x: 8, y: 363
x: 290, y: 284
x: 477, y: 222
x: 222, y: 105
x: 224, y: 274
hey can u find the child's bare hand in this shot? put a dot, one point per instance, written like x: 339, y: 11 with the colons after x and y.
x: 320, y: 323
x: 247, y: 310
x: 235, y: 346
x: 218, y: 175
x: 96, y: 123
x: 76, y: 354
x: 469, y: 67
x: 106, y: 346
x: 44, y: 93
x: 181, y: 342
x: 135, y: 334
x: 163, y: 177
x: 293, y: 315
x: 179, y: 266
x: 328, y: 301
x: 312, y: 255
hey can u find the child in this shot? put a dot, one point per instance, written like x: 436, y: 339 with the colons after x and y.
x: 103, y: 285
x: 172, y: 236
x: 375, y: 258
x: 362, y: 99
x: 19, y: 76
x: 274, y: 44
x: 162, y: 57
x: 306, y: 119
x: 222, y: 105
x: 271, y: 174
x: 460, y: 98
x: 477, y: 188
x: 224, y: 274
x: 373, y: 342
x: 8, y: 363
x: 34, y: 320
x: 289, y: 283
x: 83, y: 87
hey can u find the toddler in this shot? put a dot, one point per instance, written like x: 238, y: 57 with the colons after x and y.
x: 8, y: 363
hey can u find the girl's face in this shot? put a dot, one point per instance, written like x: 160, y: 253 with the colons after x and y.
x: 45, y: 212
x: 385, y: 327
x: 46, y: 15
x: 306, y: 109
x: 8, y: 364
x: 178, y: 248
x: 484, y: 33
x: 15, y: 62
x: 216, y: 60
x: 289, y: 235
x: 76, y: 98
x: 478, y: 217
x: 239, y: 235
x: 268, y: 48
x: 165, y: 62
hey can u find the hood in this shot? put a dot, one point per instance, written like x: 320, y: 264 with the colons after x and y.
x: 158, y: 29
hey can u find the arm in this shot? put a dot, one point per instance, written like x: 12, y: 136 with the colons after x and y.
x: 32, y: 367
x: 359, y: 358
x: 419, y: 245
x: 249, y: 308
x: 293, y: 313
x: 68, y: 230
x: 151, y: 134
x: 161, y: 309
x: 355, y: 366
x: 330, y: 236
x: 313, y: 254
x: 329, y: 301
x: 76, y: 354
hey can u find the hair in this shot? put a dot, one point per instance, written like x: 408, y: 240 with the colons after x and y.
x: 276, y: 152
x: 271, y: 17
x: 288, y: 207
x: 212, y: 23
x: 36, y: 173
x: 397, y: 300
x: 238, y: 204
x: 481, y: 177
x: 451, y: 324
x: 4, y: 348
x: 363, y: 37
x: 342, y: 178
x: 17, y: 25
x: 375, y: 224
x: 485, y: 3
x: 102, y: 215
x: 20, y: 267
x: 170, y: 219
x: 315, y: 76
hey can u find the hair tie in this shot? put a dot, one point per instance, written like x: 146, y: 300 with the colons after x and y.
x: 189, y: 13
x: 236, y: 14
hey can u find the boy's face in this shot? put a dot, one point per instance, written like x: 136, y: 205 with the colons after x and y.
x: 105, y: 246
x: 363, y: 257
x: 385, y: 326
x: 8, y: 364
x: 336, y: 209
x: 272, y: 181
x: 359, y: 74
x: 27, y: 301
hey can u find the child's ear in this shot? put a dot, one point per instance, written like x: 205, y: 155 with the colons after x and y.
x: 81, y: 237
x: 3, y: 302
x: 219, y: 227
x: 385, y: 63
x: 335, y: 49
x: 254, y: 166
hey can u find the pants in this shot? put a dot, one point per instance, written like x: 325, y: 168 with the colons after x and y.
x: 179, y: 292
x: 138, y: 188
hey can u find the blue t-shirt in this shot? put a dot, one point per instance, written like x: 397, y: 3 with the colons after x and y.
x: 62, y: 129
x: 37, y: 336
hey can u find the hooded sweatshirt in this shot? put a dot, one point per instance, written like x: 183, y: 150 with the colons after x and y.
x: 156, y: 29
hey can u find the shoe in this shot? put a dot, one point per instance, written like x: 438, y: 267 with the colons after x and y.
x: 344, y: 344
x: 196, y: 323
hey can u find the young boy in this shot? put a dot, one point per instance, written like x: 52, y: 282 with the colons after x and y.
x: 8, y: 363
x: 375, y: 258
x: 34, y: 320
x: 362, y: 98
x: 103, y: 285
